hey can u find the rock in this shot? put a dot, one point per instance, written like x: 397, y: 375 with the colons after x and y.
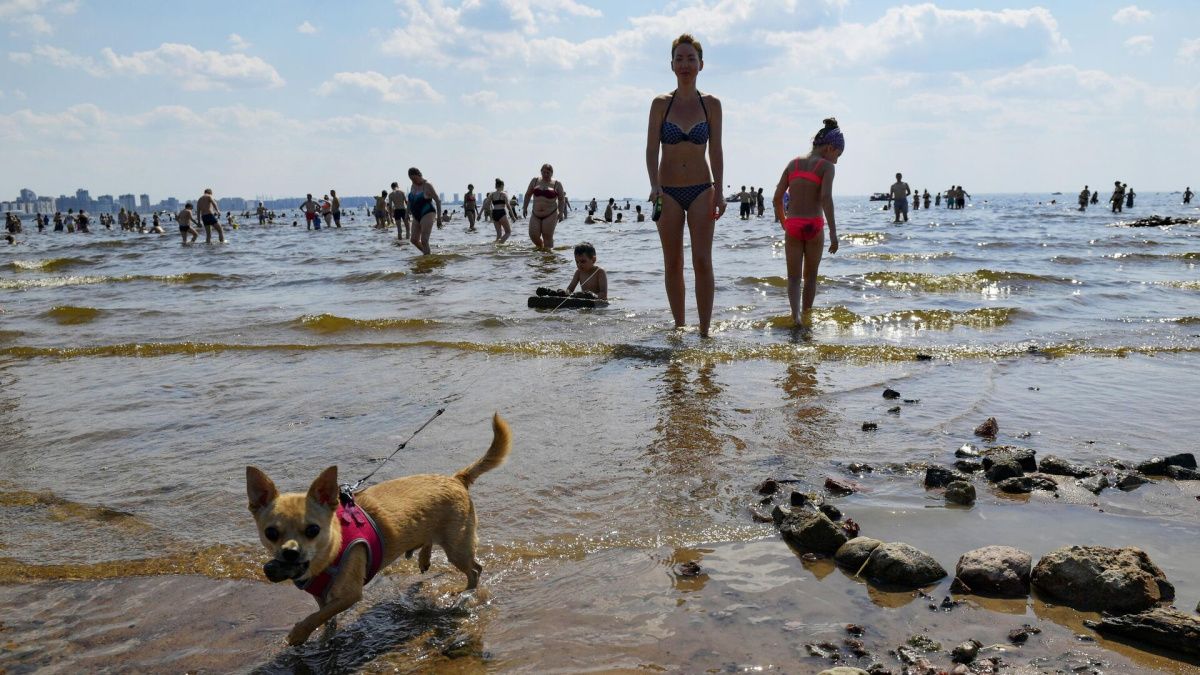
x: 1101, y: 578
x: 960, y: 492
x: 936, y: 476
x: 824, y: 650
x: 859, y: 467
x: 843, y: 670
x: 798, y: 498
x: 968, y: 465
x: 832, y: 512
x: 1095, y: 484
x: 1158, y: 465
x: 690, y: 569
x: 988, y: 429
x: 768, y: 487
x: 854, y: 552
x: 1001, y: 453
x: 924, y: 357
x: 1061, y: 467
x: 1019, y: 636
x: 966, y: 450
x: 924, y: 643
x: 1016, y: 486
x: 837, y: 487
x: 900, y: 564
x: 895, y: 410
x: 812, y: 532
x: 966, y: 652
x: 1183, y: 473
x: 1161, y: 627
x: 851, y: 528
x: 779, y: 513
x: 856, y: 647
x: 1130, y: 481
x: 1002, y: 470
x: 998, y: 571
x: 891, y: 394
x: 1159, y: 221
x: 855, y: 629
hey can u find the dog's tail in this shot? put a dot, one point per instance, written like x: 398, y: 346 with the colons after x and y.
x: 495, y: 455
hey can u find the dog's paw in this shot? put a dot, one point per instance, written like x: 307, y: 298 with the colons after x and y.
x: 298, y: 635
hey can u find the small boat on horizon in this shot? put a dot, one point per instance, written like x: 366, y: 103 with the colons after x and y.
x: 880, y: 197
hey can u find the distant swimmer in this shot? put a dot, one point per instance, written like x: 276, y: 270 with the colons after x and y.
x: 744, y: 198
x: 186, y: 220
x: 761, y: 202
x: 335, y: 205
x: 157, y: 228
x: 937, y: 200
x: 497, y: 204
x: 1084, y: 195
x: 327, y: 211
x: 592, y: 207
x: 900, y: 192
x: 1095, y: 196
x: 469, y: 207
x: 1187, y: 195
x: 1129, y: 195
x: 608, y: 211
x: 927, y: 200
x: 425, y: 207
x: 512, y: 207
x: 547, y: 195
x: 82, y: 222
x: 641, y: 217
x: 312, y: 213
x: 808, y: 180
x: 210, y: 216
x: 916, y: 200
x: 399, y: 205
x: 261, y: 211
x: 379, y: 211
x: 589, y: 276
x: 686, y: 185
x: 1118, y: 197
x: 960, y: 197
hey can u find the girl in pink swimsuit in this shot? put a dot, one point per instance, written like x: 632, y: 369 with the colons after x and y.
x: 808, y: 182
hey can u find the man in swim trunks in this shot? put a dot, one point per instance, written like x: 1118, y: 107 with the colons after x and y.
x: 210, y: 216
x: 336, y: 204
x: 398, y: 201
x: 312, y: 213
x: 1187, y: 195
x: 1084, y: 196
x: 186, y: 218
x: 900, y: 192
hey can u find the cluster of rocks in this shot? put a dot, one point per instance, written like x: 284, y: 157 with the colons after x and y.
x: 1159, y: 221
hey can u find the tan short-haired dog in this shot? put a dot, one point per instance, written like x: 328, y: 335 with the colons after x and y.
x: 333, y: 549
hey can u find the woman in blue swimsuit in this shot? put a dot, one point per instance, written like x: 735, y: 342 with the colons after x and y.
x: 683, y: 180
x: 425, y: 207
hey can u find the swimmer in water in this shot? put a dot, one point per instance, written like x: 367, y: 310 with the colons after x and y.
x: 808, y: 182
x: 186, y: 220
x: 588, y: 275
x: 497, y: 205
x: 425, y: 207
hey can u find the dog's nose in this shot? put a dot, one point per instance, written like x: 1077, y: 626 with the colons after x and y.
x: 290, y: 555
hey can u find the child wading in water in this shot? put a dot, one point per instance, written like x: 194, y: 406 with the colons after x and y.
x: 588, y: 275
x: 808, y: 182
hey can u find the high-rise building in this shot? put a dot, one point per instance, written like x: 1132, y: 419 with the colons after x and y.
x: 104, y: 204
x: 170, y: 204
x: 45, y: 204
x: 127, y: 202
x: 27, y: 195
x: 84, y: 198
x: 143, y: 202
x: 455, y: 198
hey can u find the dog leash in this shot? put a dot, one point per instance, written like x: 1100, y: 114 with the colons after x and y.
x: 346, y: 490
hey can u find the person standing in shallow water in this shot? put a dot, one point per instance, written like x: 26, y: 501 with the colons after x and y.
x: 1129, y: 195
x: 808, y: 182
x: 210, y: 216
x: 1187, y: 195
x: 469, y: 207
x: 548, y: 196
x: 1083, y: 198
x: 425, y: 208
x: 900, y: 192
x: 686, y: 123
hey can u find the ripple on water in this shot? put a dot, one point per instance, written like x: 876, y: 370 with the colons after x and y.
x: 69, y: 315
x: 331, y: 323
x: 57, y: 282
x: 48, y: 265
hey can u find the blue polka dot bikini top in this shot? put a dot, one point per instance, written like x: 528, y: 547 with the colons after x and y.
x: 671, y: 134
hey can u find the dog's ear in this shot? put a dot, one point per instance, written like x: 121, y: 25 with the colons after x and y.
x: 259, y: 488
x: 324, y: 490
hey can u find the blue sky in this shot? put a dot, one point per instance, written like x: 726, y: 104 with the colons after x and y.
x: 273, y: 98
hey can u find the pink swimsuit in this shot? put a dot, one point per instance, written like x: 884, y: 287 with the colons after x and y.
x: 804, y: 229
x: 357, y: 528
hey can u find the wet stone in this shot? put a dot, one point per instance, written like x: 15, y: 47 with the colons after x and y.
x: 1158, y: 465
x: 859, y: 467
x: 799, y: 499
x: 891, y: 394
x: 1026, y: 457
x: 869, y: 426
x: 1019, y: 636
x: 968, y: 465
x: 812, y: 532
x: 1131, y: 481
x: 1094, y: 484
x: 1056, y: 465
x: 966, y: 450
x: 1161, y: 627
x: 768, y: 487
x: 837, y: 487
x: 1183, y: 473
x: 832, y: 512
x: 1002, y: 470
x: 966, y: 651
x: 1016, y: 486
x: 1101, y: 578
x: 936, y: 476
x: 852, y: 554
x: 899, y: 564
x: 988, y: 429
x: 895, y: 410
x: 997, y: 571
x: 960, y: 492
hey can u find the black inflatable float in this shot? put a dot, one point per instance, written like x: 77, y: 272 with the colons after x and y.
x: 548, y: 298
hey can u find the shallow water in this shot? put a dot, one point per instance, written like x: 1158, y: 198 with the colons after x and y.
x: 138, y: 378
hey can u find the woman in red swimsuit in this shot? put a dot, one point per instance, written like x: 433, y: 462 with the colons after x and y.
x: 683, y: 126
x: 808, y: 182
x: 548, y: 199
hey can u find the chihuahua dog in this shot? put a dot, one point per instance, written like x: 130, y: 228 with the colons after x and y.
x: 331, y: 545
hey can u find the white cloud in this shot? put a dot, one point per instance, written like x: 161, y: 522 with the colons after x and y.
x: 238, y: 43
x: 191, y: 68
x: 1189, y: 50
x: 30, y: 14
x: 494, y: 103
x: 306, y: 28
x: 533, y: 14
x: 396, y: 89
x: 927, y: 37
x: 195, y: 69
x: 1131, y: 14
x: 1140, y: 44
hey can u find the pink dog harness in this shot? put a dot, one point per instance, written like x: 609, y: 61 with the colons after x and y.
x: 357, y: 528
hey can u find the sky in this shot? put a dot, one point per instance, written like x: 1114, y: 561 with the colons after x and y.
x: 269, y: 98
